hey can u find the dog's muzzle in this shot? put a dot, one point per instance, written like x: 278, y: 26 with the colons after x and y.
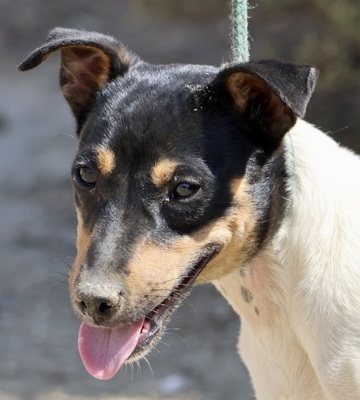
x: 105, y: 346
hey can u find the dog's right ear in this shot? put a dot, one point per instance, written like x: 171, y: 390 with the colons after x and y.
x: 267, y: 95
x: 89, y: 60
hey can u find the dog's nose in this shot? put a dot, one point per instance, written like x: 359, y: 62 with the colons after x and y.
x: 100, y: 303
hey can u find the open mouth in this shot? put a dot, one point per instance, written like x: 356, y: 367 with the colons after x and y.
x: 104, y: 350
x: 153, y: 320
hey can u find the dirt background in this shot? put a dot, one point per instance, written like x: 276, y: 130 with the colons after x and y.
x: 197, y: 358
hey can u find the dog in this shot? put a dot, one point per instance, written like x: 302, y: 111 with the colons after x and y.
x: 189, y: 174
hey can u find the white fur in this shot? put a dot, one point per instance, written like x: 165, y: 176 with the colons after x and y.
x: 302, y: 342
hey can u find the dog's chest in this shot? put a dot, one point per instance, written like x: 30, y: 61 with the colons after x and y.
x: 268, y: 345
x: 253, y: 292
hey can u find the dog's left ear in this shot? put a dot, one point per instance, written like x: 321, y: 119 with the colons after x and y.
x: 268, y: 95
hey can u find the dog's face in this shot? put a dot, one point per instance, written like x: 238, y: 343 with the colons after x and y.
x: 179, y: 179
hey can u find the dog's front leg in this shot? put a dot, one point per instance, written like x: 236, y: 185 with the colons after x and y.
x: 328, y: 328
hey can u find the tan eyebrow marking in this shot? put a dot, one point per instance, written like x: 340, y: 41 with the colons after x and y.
x: 162, y: 171
x: 105, y: 160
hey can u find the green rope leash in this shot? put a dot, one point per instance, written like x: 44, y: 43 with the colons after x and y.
x: 239, y: 31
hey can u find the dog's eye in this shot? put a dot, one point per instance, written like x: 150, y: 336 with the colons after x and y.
x: 184, y: 190
x: 87, y: 176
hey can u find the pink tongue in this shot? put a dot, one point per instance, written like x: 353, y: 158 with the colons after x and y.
x: 104, y: 350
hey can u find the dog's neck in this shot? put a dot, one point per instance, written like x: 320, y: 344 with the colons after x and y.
x: 261, y: 287
x: 309, y: 230
x: 254, y: 290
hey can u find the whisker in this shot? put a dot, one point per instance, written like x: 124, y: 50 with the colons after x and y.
x: 184, y: 341
x: 78, y: 140
x: 190, y: 304
x: 156, y: 349
x: 70, y: 135
x: 138, y: 367
x: 167, y: 281
x: 164, y: 343
x: 67, y: 264
x: 123, y: 371
x: 63, y: 274
x: 331, y: 133
x: 172, y: 329
x: 132, y: 371
x: 63, y: 262
x: 149, y: 365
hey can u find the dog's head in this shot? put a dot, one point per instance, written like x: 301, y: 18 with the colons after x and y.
x: 179, y: 179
